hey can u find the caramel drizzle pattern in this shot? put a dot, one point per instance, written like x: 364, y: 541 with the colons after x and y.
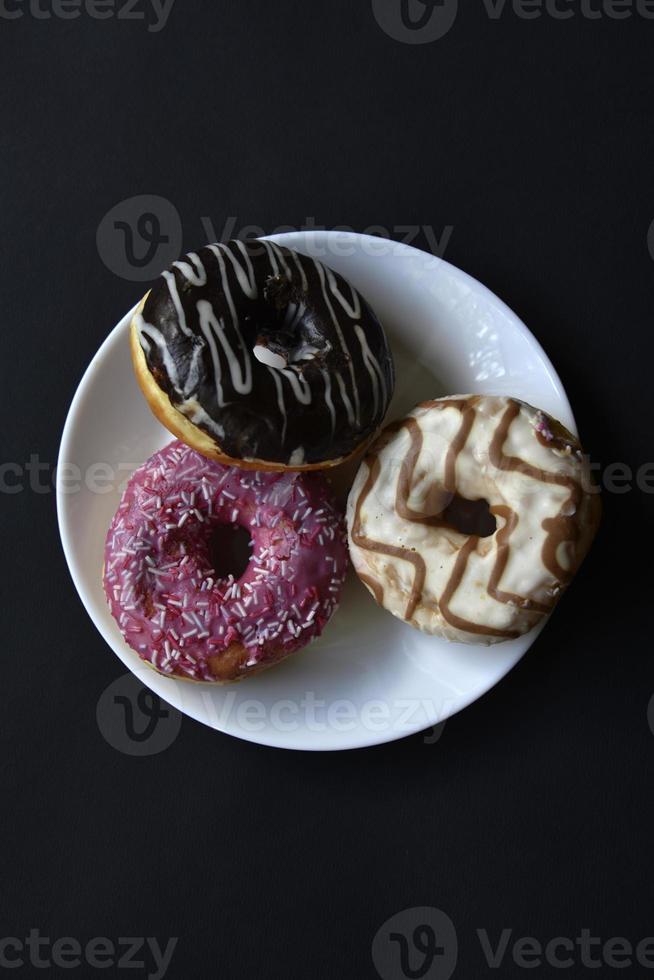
x: 393, y: 551
x: 559, y: 528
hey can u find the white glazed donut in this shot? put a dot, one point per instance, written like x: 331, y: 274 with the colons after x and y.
x: 468, y: 518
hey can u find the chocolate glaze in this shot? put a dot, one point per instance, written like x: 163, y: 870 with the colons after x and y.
x: 207, y: 313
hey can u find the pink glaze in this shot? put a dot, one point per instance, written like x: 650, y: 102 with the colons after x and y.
x: 158, y: 577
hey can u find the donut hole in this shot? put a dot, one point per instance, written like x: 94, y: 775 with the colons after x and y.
x: 287, y: 334
x: 229, y: 550
x: 471, y: 517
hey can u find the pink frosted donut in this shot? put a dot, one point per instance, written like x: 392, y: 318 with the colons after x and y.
x: 160, y: 582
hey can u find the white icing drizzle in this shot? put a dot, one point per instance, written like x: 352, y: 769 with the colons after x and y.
x: 246, y: 387
x: 278, y: 252
x: 241, y: 378
x: 300, y: 386
x: 156, y: 336
x: 245, y: 276
x: 328, y: 398
x: 293, y: 314
x: 193, y: 411
x: 241, y: 375
x: 215, y: 358
x: 353, y: 309
x: 297, y: 258
x: 197, y: 276
x: 177, y: 303
x: 271, y: 256
x: 354, y: 417
x: 344, y: 396
x: 193, y: 375
x: 372, y: 365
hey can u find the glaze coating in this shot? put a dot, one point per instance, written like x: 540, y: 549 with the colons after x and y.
x: 429, y: 471
x: 170, y: 605
x: 328, y: 374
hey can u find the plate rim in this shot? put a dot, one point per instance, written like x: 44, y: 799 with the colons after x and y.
x: 153, y: 680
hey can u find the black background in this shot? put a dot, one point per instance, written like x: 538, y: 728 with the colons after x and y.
x: 534, y: 140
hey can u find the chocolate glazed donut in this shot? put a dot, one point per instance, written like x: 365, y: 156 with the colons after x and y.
x: 254, y: 354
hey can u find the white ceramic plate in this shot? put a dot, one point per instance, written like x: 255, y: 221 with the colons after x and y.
x: 369, y: 678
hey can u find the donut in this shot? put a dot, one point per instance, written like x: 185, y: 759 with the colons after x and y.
x: 180, y: 615
x: 468, y: 518
x: 258, y: 356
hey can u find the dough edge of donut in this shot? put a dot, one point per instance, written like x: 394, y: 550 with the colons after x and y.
x: 219, y: 680
x: 228, y: 678
x: 190, y: 434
